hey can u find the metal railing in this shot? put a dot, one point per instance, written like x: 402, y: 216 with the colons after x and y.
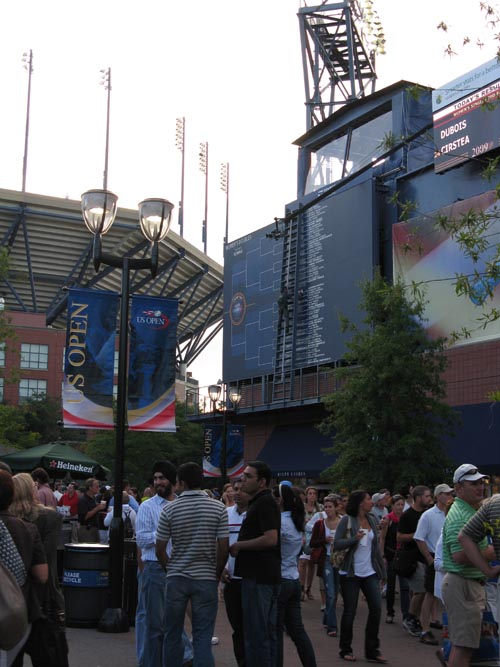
x: 309, y: 385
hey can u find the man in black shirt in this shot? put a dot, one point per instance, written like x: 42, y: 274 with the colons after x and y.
x: 258, y: 563
x: 88, y: 510
x: 422, y: 500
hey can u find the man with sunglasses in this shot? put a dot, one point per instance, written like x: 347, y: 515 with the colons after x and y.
x: 463, y: 583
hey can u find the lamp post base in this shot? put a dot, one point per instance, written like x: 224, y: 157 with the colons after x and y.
x: 114, y: 620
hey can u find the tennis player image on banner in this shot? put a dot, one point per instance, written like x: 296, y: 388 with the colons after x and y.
x: 212, y: 445
x: 87, y: 392
x: 151, y: 384
x: 428, y: 255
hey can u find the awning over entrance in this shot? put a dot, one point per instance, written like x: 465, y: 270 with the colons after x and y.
x: 296, y: 451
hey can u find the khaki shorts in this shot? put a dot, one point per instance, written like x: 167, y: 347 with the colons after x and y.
x: 417, y: 581
x: 464, y: 601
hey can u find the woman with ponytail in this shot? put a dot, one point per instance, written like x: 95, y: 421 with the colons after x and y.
x: 289, y: 613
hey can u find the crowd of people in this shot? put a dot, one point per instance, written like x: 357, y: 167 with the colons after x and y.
x: 260, y: 549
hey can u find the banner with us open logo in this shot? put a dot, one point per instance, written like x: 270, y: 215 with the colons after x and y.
x: 151, y: 380
x: 212, y: 450
x: 87, y: 392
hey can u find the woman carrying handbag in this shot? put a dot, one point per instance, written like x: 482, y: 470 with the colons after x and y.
x: 321, y: 545
x: 362, y: 569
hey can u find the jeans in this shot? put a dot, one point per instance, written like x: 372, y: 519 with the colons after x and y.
x: 350, y: 587
x: 153, y: 580
x: 290, y: 618
x: 153, y: 584
x: 259, y: 604
x: 331, y: 581
x: 404, y: 592
x: 232, y: 599
x: 204, y: 598
x: 140, y: 621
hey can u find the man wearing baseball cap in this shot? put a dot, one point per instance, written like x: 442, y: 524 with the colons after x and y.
x: 379, y: 505
x: 463, y: 583
x: 426, y: 536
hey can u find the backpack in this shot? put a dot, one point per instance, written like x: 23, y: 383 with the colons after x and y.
x: 128, y: 529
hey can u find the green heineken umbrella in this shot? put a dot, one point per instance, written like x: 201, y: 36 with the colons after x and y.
x: 58, y: 459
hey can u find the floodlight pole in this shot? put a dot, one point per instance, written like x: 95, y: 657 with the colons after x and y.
x: 28, y: 64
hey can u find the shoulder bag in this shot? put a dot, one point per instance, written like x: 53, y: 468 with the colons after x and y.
x: 405, y: 563
x: 316, y: 552
x: 337, y: 556
x: 13, y: 611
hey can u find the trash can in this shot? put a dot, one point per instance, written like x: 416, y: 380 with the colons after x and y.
x: 85, y: 583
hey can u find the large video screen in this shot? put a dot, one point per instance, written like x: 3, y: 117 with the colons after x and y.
x: 336, y: 250
x: 426, y: 254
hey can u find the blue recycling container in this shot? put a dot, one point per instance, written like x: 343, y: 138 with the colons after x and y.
x: 85, y: 583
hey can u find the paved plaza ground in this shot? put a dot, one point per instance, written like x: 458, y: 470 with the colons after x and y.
x: 90, y: 648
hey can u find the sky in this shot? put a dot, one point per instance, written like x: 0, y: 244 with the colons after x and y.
x: 233, y: 71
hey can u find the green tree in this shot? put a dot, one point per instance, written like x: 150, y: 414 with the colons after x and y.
x: 42, y: 416
x: 143, y: 449
x: 388, y: 418
x: 13, y: 431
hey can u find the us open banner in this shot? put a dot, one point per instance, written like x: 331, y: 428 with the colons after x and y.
x: 151, y: 387
x: 212, y: 446
x: 87, y: 392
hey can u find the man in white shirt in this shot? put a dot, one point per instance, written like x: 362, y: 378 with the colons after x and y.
x: 429, y: 529
x: 232, y: 584
x: 152, y: 580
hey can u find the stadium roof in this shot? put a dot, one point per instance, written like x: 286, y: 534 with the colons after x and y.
x: 50, y: 250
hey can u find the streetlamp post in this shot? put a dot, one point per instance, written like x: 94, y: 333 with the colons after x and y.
x: 229, y: 395
x: 99, y: 211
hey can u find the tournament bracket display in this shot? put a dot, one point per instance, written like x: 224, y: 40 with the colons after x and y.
x: 252, y: 275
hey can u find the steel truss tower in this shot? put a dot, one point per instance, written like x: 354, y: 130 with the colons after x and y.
x: 338, y: 67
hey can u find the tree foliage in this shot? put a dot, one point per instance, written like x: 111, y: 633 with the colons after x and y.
x: 143, y: 449
x: 13, y: 430
x: 388, y: 417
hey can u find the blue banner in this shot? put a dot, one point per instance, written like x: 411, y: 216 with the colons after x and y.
x: 212, y: 446
x: 151, y: 385
x: 87, y: 392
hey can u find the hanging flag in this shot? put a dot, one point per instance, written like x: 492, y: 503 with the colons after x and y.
x: 212, y: 446
x: 87, y: 392
x: 151, y: 380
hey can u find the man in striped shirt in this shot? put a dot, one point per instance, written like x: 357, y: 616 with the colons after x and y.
x: 463, y: 583
x: 198, y: 528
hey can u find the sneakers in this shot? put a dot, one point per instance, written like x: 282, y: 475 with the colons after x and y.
x: 413, y: 626
x: 428, y: 638
x: 215, y: 641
